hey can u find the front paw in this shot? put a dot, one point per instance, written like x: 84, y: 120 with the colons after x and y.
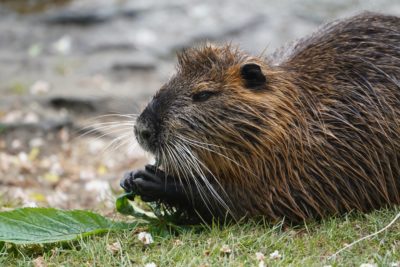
x: 127, y: 182
x: 148, y: 183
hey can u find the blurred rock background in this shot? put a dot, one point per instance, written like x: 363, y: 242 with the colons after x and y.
x: 65, y: 64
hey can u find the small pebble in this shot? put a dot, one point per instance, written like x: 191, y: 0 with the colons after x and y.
x: 225, y: 249
x: 145, y: 238
x: 275, y: 255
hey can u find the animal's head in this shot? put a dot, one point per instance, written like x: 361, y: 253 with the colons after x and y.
x: 215, y: 116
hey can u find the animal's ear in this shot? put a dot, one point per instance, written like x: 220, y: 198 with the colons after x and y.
x: 252, y: 75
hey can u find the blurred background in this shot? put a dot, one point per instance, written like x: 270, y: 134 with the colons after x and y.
x: 69, y: 67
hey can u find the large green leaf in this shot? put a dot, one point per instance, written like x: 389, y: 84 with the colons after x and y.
x: 47, y: 225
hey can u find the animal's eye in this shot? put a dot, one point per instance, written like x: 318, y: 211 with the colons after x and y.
x: 202, y: 96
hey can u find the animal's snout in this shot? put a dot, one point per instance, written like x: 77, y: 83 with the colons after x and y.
x: 149, y: 126
x: 144, y: 134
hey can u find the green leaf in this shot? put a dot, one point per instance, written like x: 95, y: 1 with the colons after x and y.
x: 123, y: 206
x: 48, y: 225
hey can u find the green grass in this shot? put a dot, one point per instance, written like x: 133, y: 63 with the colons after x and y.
x: 308, y: 245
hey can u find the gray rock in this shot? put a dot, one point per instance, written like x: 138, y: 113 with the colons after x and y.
x: 76, y: 104
x: 140, y: 62
x: 80, y: 17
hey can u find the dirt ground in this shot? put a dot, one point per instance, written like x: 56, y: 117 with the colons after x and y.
x: 68, y: 68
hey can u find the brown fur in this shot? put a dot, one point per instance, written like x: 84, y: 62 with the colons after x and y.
x: 322, y: 138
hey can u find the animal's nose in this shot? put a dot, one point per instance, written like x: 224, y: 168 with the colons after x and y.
x: 143, y: 133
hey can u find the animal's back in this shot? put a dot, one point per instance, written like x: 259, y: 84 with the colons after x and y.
x: 348, y: 80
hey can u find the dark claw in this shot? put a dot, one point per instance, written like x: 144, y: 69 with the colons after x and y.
x: 127, y: 182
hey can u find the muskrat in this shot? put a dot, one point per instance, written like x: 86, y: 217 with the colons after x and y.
x: 310, y: 132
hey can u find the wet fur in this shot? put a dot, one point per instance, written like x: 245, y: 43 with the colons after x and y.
x: 321, y: 137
